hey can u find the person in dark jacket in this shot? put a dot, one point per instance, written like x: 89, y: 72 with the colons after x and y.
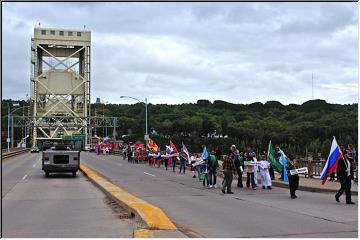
x: 129, y: 154
x: 293, y: 179
x: 345, y: 175
x: 182, y: 161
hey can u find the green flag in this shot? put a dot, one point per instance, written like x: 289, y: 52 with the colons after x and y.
x: 271, y: 156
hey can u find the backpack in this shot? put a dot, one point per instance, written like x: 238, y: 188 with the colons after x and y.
x: 213, y: 161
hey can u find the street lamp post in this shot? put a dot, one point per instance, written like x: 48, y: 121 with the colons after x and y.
x: 146, y: 115
x: 8, y: 130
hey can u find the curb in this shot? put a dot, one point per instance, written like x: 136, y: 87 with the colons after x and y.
x: 142, y: 233
x: 152, y: 216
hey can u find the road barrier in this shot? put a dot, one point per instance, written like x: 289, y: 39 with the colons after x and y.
x: 14, y: 153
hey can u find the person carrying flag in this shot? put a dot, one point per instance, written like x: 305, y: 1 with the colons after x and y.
x: 345, y: 175
x: 183, y: 159
x: 173, y: 158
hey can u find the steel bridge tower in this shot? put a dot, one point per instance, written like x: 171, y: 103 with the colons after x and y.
x: 60, y: 81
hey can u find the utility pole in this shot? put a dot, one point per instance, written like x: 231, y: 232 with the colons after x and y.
x: 8, y: 130
x: 12, y: 131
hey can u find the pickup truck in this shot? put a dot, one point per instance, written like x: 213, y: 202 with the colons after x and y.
x: 60, y: 159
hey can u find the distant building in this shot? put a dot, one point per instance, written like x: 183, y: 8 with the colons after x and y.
x: 98, y: 100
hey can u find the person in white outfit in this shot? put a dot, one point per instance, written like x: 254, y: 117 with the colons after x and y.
x: 256, y: 169
x: 264, y: 172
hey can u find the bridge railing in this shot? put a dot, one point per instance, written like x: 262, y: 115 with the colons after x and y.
x: 16, y: 151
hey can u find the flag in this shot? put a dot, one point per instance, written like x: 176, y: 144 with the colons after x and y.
x: 173, y: 147
x: 184, y: 149
x: 332, y: 161
x: 205, y: 153
x: 169, y: 150
x: 283, y: 159
x: 153, y: 146
x: 271, y: 156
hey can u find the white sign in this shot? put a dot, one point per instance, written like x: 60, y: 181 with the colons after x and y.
x: 303, y: 170
x: 8, y: 140
x: 198, y: 163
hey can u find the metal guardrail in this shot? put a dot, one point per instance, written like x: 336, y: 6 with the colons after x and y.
x: 5, y: 150
x: 14, y: 153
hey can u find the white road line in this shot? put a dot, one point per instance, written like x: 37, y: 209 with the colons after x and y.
x: 149, y: 174
x: 24, y: 177
x: 35, y: 164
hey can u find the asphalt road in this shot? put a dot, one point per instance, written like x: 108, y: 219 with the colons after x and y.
x: 59, y: 206
x: 200, y: 212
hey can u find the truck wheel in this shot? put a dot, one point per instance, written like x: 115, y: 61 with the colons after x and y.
x: 47, y: 174
x: 74, y: 174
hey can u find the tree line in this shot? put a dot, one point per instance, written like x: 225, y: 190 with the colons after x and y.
x: 295, y: 128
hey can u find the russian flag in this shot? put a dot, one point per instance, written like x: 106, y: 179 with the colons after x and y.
x: 332, y: 161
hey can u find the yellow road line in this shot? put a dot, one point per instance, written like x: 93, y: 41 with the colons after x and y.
x: 153, y: 216
x: 142, y: 233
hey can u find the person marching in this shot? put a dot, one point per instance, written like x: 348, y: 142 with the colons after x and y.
x: 213, y: 165
x: 228, y: 167
x: 192, y: 168
x: 166, y: 162
x: 158, y: 157
x: 345, y: 174
x: 173, y: 163
x: 129, y: 153
x: 235, y: 156
x: 182, y: 161
x: 293, y: 179
x: 205, y: 170
x: 198, y: 159
x: 264, y: 172
x: 250, y: 171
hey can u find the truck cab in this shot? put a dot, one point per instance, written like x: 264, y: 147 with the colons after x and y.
x: 60, y: 157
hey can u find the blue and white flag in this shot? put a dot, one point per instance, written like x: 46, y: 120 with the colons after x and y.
x: 283, y: 160
x: 205, y: 153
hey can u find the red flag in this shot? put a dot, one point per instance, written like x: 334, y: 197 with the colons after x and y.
x: 173, y: 147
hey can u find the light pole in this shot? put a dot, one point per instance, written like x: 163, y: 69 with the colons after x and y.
x: 146, y: 117
x: 8, y: 130
x: 104, y: 120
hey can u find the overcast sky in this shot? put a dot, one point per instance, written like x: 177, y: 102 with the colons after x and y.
x: 182, y: 52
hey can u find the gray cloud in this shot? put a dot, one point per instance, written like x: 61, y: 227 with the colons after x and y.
x: 181, y: 52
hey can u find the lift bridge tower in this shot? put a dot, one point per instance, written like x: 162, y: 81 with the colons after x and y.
x: 60, y: 82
